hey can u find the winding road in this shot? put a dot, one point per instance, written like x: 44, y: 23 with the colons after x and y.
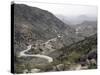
x: 22, y: 53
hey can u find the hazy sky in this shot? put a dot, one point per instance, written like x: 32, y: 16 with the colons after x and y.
x: 65, y: 9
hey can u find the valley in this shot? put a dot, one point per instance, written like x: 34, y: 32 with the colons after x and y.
x: 44, y: 42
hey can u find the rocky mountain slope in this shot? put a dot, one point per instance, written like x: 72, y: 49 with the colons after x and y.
x: 83, y: 53
x: 32, y: 24
x: 86, y: 28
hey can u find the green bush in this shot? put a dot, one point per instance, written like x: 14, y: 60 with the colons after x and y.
x: 73, y: 57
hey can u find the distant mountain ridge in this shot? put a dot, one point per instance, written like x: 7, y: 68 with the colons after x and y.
x: 74, y: 20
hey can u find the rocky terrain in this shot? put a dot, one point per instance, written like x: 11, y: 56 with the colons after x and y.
x: 86, y: 28
x: 39, y: 37
x: 32, y: 24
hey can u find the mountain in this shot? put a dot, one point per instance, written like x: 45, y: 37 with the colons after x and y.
x: 65, y: 19
x: 74, y: 20
x: 82, y: 52
x: 32, y: 24
x: 86, y: 28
